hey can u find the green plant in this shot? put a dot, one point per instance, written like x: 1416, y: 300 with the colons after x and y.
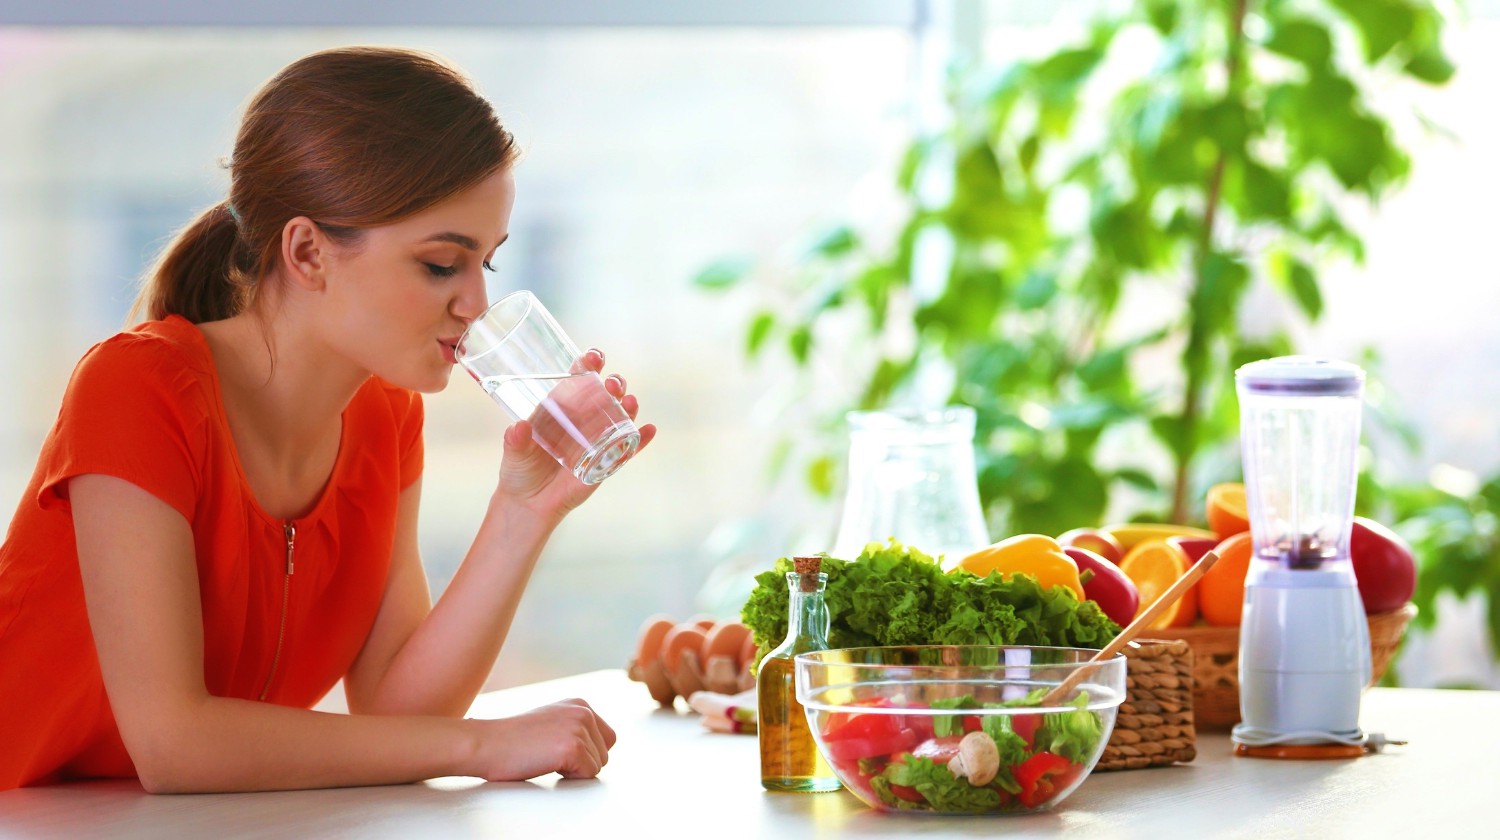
x: 1110, y: 206
x: 1453, y: 525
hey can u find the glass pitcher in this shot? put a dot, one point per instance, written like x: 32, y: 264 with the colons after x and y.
x: 911, y: 477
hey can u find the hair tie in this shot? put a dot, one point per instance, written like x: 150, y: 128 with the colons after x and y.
x: 232, y: 214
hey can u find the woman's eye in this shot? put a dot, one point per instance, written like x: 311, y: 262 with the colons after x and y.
x: 487, y: 266
x: 441, y: 270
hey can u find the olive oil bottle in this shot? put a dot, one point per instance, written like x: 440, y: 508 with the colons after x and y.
x: 789, y: 760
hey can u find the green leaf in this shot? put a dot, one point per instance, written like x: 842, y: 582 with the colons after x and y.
x: 1268, y: 194
x: 1125, y: 234
x: 1304, y: 287
x: 799, y: 343
x: 887, y: 376
x: 1301, y: 39
x: 912, y: 161
x: 1221, y: 283
x: 834, y: 242
x: 1382, y: 24
x: 723, y: 274
x: 1104, y: 370
x: 1163, y: 15
x: 1139, y: 479
x: 1431, y: 66
x: 760, y: 328
x: 1060, y: 74
x: 820, y: 474
x: 1037, y: 290
x: 1170, y: 430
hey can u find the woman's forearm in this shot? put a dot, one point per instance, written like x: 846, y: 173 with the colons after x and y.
x: 445, y: 661
x: 225, y: 744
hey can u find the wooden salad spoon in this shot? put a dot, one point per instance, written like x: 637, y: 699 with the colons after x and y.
x: 1139, y: 623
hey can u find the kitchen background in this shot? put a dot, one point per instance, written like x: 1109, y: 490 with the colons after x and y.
x: 657, y: 142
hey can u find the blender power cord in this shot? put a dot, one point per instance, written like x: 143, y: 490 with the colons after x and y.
x: 1254, y: 737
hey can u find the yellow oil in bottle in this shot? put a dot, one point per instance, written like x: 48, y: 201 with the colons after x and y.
x: 789, y: 760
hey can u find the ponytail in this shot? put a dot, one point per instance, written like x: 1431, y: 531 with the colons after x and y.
x: 198, y: 276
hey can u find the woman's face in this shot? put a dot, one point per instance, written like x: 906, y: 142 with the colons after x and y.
x: 397, y: 302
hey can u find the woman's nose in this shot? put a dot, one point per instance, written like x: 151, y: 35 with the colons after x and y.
x: 472, y: 299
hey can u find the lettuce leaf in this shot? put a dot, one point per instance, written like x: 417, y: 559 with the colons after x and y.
x: 1072, y: 735
x: 894, y: 594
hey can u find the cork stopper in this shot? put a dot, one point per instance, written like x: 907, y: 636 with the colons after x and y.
x: 807, y: 567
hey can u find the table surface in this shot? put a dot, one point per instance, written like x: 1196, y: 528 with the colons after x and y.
x: 668, y: 776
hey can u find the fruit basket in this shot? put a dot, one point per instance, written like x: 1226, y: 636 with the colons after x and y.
x: 1154, y: 726
x: 1216, y: 663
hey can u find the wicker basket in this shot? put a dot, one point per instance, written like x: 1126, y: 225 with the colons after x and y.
x: 1216, y: 658
x: 1154, y: 726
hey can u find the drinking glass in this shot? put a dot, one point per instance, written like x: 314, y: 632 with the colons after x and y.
x: 526, y: 362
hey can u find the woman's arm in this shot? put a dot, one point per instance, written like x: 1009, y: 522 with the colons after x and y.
x: 421, y: 661
x: 433, y: 660
x: 140, y: 582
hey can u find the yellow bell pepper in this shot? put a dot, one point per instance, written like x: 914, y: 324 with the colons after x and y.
x: 1037, y: 555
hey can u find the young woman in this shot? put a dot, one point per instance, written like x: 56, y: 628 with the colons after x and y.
x: 223, y: 521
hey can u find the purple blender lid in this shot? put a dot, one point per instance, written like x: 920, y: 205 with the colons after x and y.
x: 1301, y: 375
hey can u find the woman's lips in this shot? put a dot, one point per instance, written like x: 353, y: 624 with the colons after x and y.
x: 449, y: 350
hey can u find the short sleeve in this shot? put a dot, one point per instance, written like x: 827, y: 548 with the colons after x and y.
x: 406, y: 406
x: 136, y: 408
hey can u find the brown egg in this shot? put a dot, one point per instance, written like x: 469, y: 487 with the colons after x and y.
x: 747, y: 650
x: 654, y: 631
x: 726, y: 638
x: 702, y: 621
x: 681, y: 638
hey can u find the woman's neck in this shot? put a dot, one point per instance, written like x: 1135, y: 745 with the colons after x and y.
x: 284, y: 400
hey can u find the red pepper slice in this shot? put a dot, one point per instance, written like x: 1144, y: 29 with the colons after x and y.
x: 1042, y: 776
x: 910, y: 794
x: 1026, y: 726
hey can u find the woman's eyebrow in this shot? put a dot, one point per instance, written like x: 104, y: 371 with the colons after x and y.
x: 456, y: 238
x: 459, y: 239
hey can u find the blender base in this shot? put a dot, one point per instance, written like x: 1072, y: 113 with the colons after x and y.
x: 1300, y: 752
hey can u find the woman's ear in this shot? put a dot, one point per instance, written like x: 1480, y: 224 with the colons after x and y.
x: 305, y: 253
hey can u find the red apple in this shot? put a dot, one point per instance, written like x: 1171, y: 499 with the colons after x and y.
x: 1193, y: 547
x: 1115, y: 593
x: 1102, y: 543
x: 1383, y: 566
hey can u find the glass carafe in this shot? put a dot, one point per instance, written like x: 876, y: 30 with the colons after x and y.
x: 911, y: 477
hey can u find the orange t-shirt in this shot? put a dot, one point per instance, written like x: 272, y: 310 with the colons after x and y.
x: 145, y: 406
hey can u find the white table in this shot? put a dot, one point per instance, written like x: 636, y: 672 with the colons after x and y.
x: 668, y: 777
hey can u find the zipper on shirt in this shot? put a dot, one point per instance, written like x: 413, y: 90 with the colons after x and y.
x: 290, y: 531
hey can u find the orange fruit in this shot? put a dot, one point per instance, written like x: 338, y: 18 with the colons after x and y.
x: 1221, y: 592
x: 1228, y: 511
x: 1154, y: 566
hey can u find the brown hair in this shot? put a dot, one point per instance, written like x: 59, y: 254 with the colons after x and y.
x: 352, y: 138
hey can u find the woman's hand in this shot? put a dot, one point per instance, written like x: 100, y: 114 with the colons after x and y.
x: 534, y: 479
x: 567, y: 737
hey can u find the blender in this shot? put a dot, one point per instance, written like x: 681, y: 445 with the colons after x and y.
x: 1304, y: 639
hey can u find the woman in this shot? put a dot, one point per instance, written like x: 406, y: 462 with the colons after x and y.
x: 222, y: 523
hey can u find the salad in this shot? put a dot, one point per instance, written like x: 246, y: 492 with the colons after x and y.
x: 980, y: 758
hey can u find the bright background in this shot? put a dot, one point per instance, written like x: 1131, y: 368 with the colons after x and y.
x: 658, y: 140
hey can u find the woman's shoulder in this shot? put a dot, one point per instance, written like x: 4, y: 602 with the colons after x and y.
x: 171, y: 347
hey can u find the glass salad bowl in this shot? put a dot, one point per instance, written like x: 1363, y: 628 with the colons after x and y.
x: 960, y: 729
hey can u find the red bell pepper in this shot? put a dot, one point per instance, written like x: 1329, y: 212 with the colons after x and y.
x: 849, y: 736
x: 1042, y: 776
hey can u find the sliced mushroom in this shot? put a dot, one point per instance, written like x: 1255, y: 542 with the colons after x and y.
x: 978, y: 758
